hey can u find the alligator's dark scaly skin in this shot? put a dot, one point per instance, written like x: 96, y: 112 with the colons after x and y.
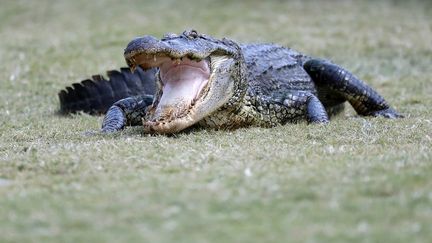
x: 282, y: 86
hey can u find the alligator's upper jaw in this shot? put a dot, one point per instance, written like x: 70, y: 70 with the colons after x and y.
x: 183, y: 84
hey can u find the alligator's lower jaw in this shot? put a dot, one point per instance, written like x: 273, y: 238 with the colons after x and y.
x: 171, y: 126
x: 172, y: 119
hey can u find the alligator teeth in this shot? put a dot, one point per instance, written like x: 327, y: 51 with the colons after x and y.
x: 132, y: 68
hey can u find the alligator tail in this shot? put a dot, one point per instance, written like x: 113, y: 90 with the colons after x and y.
x: 96, y: 95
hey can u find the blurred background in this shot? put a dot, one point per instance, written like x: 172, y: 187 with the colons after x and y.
x: 355, y: 180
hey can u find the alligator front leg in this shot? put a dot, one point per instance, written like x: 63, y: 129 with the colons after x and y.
x: 126, y: 112
x: 290, y: 107
x: 316, y: 112
x: 362, y: 97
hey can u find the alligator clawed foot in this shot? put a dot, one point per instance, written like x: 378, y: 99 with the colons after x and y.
x: 387, y: 113
x: 106, y: 130
x: 320, y: 122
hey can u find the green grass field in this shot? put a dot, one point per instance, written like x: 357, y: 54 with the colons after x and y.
x: 354, y: 180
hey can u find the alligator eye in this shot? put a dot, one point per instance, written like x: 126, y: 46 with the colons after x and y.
x: 191, y: 34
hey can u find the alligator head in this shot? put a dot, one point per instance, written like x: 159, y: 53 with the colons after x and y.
x: 198, y: 75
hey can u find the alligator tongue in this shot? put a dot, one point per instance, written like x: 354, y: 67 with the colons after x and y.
x: 182, y: 83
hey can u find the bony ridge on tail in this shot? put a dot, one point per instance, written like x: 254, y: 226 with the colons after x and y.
x: 192, y: 79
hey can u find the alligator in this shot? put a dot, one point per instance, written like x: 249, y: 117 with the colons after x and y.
x: 195, y: 80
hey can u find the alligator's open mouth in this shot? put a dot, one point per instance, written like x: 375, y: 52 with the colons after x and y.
x: 197, y: 75
x: 184, y: 84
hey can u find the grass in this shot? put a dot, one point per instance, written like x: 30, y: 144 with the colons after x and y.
x: 355, y: 180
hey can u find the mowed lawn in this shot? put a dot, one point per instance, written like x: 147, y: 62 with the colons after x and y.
x: 355, y: 180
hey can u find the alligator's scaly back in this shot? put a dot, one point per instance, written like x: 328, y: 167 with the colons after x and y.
x: 273, y: 68
x: 96, y: 95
